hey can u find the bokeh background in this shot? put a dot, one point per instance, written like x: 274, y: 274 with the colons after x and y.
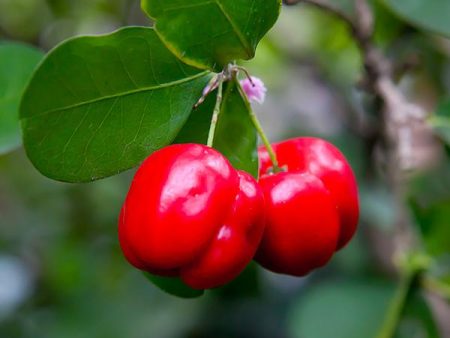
x: 62, y: 274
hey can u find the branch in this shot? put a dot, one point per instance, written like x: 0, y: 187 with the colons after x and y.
x: 399, y: 118
x: 399, y: 114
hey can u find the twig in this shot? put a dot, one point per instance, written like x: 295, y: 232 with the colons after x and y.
x: 398, y: 117
x: 398, y: 114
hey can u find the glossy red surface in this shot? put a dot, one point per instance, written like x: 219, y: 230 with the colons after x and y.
x: 302, y: 224
x: 325, y: 161
x: 188, y: 213
x: 235, y: 243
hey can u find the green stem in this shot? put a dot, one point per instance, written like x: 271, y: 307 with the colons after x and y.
x: 394, y: 313
x: 265, y: 140
x: 259, y: 129
x: 216, y: 113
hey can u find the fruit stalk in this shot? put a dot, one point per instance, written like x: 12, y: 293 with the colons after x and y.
x: 262, y: 135
x: 216, y: 113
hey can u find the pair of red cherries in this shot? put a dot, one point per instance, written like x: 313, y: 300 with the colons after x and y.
x: 190, y: 214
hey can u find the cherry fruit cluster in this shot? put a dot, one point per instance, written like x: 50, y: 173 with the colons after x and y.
x: 190, y: 214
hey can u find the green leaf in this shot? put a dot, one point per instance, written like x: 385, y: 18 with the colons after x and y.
x: 174, y: 286
x: 417, y: 318
x: 441, y: 127
x: 247, y: 284
x: 341, y: 310
x: 235, y: 135
x: 443, y: 109
x: 432, y: 16
x: 98, y: 105
x: 212, y: 33
x: 440, y: 122
x: 429, y: 198
x: 433, y: 221
x: 17, y: 62
x: 197, y: 126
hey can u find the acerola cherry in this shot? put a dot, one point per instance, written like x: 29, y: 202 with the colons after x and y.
x: 325, y: 161
x: 312, y: 209
x: 302, y: 224
x: 190, y: 214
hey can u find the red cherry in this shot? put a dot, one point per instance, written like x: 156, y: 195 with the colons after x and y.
x: 325, y: 161
x: 302, y: 224
x: 188, y: 213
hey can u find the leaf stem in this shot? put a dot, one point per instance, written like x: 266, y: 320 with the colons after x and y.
x: 259, y: 129
x: 216, y: 113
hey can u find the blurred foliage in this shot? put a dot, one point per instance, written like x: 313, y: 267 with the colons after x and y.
x: 61, y: 270
x: 441, y: 121
x: 17, y: 62
x: 353, y: 309
x: 420, y: 13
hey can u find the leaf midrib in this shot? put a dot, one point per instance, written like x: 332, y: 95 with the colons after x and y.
x: 118, y: 95
x: 244, y: 42
x: 247, y: 47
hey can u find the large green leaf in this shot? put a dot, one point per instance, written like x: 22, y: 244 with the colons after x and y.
x: 99, y: 105
x: 212, y: 33
x: 17, y: 62
x: 235, y: 135
x: 431, y: 15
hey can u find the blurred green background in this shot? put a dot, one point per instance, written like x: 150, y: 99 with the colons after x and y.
x: 62, y: 274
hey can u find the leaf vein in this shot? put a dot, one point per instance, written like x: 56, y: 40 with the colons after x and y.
x: 242, y: 39
x: 123, y: 94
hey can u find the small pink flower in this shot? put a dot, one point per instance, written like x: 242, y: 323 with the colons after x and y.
x: 254, y: 89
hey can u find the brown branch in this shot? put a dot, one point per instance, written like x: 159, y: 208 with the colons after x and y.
x: 398, y: 114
